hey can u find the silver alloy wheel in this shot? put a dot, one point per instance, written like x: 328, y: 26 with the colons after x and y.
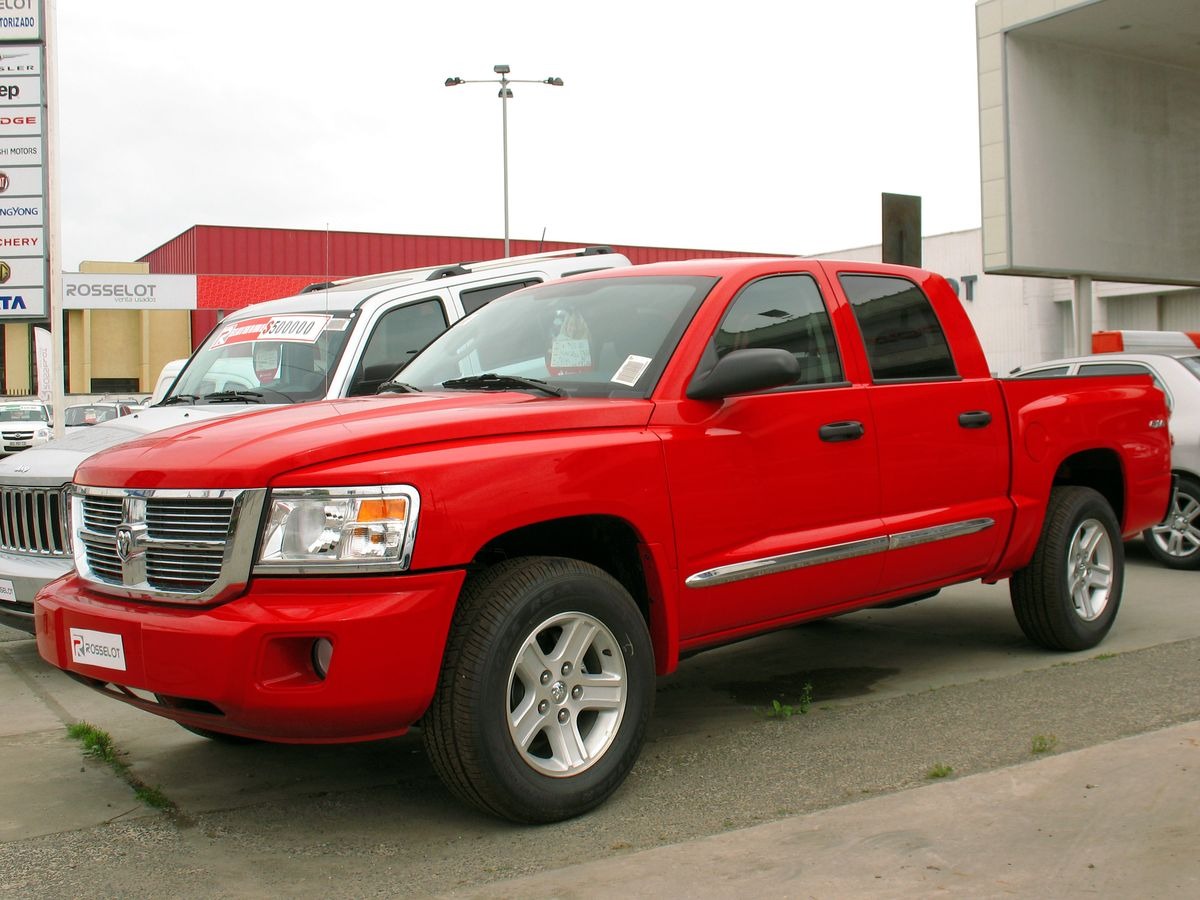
x: 1178, y: 535
x: 567, y: 691
x: 1090, y: 569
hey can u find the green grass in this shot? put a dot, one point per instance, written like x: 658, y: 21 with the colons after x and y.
x: 780, y: 710
x: 1044, y: 743
x: 939, y: 770
x: 98, y: 744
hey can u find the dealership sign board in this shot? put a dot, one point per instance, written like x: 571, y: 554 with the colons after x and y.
x: 95, y: 291
x: 23, y: 254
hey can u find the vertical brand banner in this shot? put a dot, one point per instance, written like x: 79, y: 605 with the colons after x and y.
x: 41, y: 350
x: 24, y: 278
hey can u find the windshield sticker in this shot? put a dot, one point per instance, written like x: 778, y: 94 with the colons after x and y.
x: 631, y: 370
x: 302, y: 328
x: 338, y: 324
x: 266, y: 361
x: 571, y: 349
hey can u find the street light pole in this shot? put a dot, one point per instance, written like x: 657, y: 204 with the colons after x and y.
x: 505, y: 95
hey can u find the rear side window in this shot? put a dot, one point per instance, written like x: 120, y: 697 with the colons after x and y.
x: 1114, y: 369
x: 477, y: 297
x: 899, y: 328
x: 1055, y: 372
x: 1119, y: 368
x: 784, y: 312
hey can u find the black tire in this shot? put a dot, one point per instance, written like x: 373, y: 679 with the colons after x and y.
x: 1067, y: 597
x: 1175, y: 542
x: 494, y: 732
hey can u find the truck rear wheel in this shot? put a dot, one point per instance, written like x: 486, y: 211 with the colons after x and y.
x: 1068, y: 595
x: 1175, y: 542
x: 545, y: 691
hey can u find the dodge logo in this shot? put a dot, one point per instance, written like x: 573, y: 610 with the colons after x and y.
x: 124, y: 542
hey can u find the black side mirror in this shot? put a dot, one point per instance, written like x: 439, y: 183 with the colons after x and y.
x: 740, y: 371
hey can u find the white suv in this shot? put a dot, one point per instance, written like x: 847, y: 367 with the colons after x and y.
x: 332, y: 340
x: 1176, y: 541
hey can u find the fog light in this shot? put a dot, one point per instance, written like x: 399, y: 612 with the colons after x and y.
x: 322, y: 654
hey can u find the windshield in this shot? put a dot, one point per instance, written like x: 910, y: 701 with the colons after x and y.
x: 284, y: 358
x: 29, y: 413
x: 593, y: 338
x: 89, y: 415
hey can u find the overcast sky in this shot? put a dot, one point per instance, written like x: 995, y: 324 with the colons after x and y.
x: 751, y: 125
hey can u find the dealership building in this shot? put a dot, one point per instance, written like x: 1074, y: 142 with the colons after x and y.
x: 1089, y: 117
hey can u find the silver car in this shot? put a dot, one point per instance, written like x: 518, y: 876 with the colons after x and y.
x: 1176, y: 540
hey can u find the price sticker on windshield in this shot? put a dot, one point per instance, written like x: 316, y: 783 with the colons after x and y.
x: 293, y: 327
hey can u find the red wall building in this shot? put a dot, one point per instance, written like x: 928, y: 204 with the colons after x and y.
x: 239, y: 266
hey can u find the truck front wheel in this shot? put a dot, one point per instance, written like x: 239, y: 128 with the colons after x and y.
x: 1175, y: 542
x: 545, y: 691
x: 1068, y: 595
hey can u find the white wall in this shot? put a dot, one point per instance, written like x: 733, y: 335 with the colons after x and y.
x: 1102, y: 164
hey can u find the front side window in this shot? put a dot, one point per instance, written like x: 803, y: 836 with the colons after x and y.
x: 596, y: 337
x: 899, y: 328
x: 397, y: 337
x: 784, y: 312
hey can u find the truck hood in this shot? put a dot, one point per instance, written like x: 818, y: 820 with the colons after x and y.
x: 251, y: 450
x: 55, y: 462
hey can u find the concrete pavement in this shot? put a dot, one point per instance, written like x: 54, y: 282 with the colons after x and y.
x: 949, y: 678
x: 1119, y: 820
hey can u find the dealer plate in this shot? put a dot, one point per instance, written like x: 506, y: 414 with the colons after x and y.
x: 98, y: 648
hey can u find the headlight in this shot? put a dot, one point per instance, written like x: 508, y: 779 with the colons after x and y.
x: 370, y: 528
x: 42, y: 434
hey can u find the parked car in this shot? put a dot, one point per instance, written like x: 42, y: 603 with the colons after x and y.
x: 1175, y: 541
x: 80, y: 415
x: 166, y: 377
x: 575, y: 487
x: 24, y: 423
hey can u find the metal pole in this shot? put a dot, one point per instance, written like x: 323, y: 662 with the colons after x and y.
x: 504, y: 120
x: 54, y: 226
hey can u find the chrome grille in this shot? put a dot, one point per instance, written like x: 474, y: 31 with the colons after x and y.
x: 179, y: 545
x: 178, y: 520
x: 32, y: 521
x: 102, y: 558
x: 183, y: 570
x: 102, y: 514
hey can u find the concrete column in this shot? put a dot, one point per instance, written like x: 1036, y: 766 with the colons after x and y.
x: 87, y: 351
x: 1082, y: 314
x: 145, y: 375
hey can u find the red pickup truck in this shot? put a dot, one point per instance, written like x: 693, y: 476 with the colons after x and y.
x: 578, y: 485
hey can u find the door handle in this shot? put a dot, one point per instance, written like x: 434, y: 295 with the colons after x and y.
x: 841, y: 431
x: 977, y: 419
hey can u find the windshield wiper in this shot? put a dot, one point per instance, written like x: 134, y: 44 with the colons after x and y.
x: 234, y: 397
x: 491, y: 381
x: 397, y: 387
x: 178, y: 398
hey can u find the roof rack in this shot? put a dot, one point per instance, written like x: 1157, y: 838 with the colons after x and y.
x: 433, y: 273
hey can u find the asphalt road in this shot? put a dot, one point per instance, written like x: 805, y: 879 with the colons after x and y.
x: 948, y: 683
